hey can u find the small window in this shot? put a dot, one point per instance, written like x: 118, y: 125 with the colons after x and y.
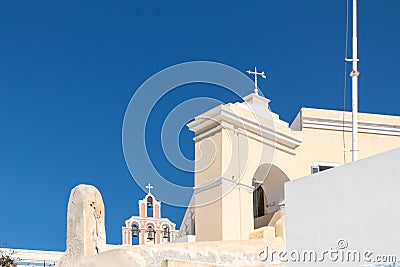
x: 314, y: 169
x: 322, y: 166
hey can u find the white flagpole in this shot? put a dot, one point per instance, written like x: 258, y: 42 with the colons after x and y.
x: 354, y: 74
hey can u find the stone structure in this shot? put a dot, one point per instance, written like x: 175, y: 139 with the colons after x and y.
x: 187, y: 231
x: 86, y: 235
x: 149, y: 227
x: 86, y: 243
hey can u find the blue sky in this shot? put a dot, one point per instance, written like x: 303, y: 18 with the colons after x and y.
x: 69, y: 69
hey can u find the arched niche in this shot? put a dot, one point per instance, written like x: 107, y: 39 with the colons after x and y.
x: 150, y: 233
x: 269, y: 194
x: 166, y: 233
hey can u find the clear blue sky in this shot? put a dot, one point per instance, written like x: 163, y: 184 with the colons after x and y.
x: 69, y: 69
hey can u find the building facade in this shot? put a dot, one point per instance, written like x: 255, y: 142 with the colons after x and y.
x: 245, y: 154
x: 149, y: 227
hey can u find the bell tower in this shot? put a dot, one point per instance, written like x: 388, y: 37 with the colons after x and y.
x: 224, y: 168
x: 148, y: 227
x: 232, y: 141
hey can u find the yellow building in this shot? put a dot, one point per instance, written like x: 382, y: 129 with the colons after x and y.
x: 245, y: 153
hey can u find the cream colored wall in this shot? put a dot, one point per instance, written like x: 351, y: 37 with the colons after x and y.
x: 208, y: 155
x: 231, y: 211
x: 317, y: 145
x: 246, y: 213
x: 208, y: 219
x: 230, y: 150
x: 252, y: 154
x: 213, y: 155
x: 224, y: 213
x: 327, y: 146
x: 237, y: 152
x: 235, y: 157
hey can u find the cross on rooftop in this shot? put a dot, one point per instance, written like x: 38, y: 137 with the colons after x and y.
x: 149, y: 187
x: 262, y: 74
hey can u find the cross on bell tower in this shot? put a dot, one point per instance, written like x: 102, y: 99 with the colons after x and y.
x: 149, y: 187
x: 262, y: 74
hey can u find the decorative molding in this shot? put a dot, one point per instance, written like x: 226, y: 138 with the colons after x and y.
x: 222, y: 117
x: 363, y: 126
x: 222, y: 180
x: 148, y: 219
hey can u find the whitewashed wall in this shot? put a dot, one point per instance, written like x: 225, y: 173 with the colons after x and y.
x: 358, y: 202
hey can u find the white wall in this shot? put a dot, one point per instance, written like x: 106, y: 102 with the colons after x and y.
x: 358, y: 202
x: 34, y: 258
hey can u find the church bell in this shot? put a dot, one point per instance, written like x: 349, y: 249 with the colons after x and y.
x: 149, y: 203
x: 135, y: 231
x: 165, y: 232
x: 150, y: 234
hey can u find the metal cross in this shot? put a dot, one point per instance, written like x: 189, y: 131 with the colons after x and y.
x: 262, y: 74
x: 149, y: 187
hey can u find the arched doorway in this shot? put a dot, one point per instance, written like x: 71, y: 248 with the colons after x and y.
x: 258, y: 201
x: 269, y: 195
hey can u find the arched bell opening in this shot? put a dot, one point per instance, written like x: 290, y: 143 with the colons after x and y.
x: 150, y: 234
x: 150, y: 206
x: 135, y: 233
x: 269, y: 195
x: 166, y: 233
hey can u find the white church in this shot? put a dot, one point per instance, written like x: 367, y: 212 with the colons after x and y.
x: 149, y: 227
